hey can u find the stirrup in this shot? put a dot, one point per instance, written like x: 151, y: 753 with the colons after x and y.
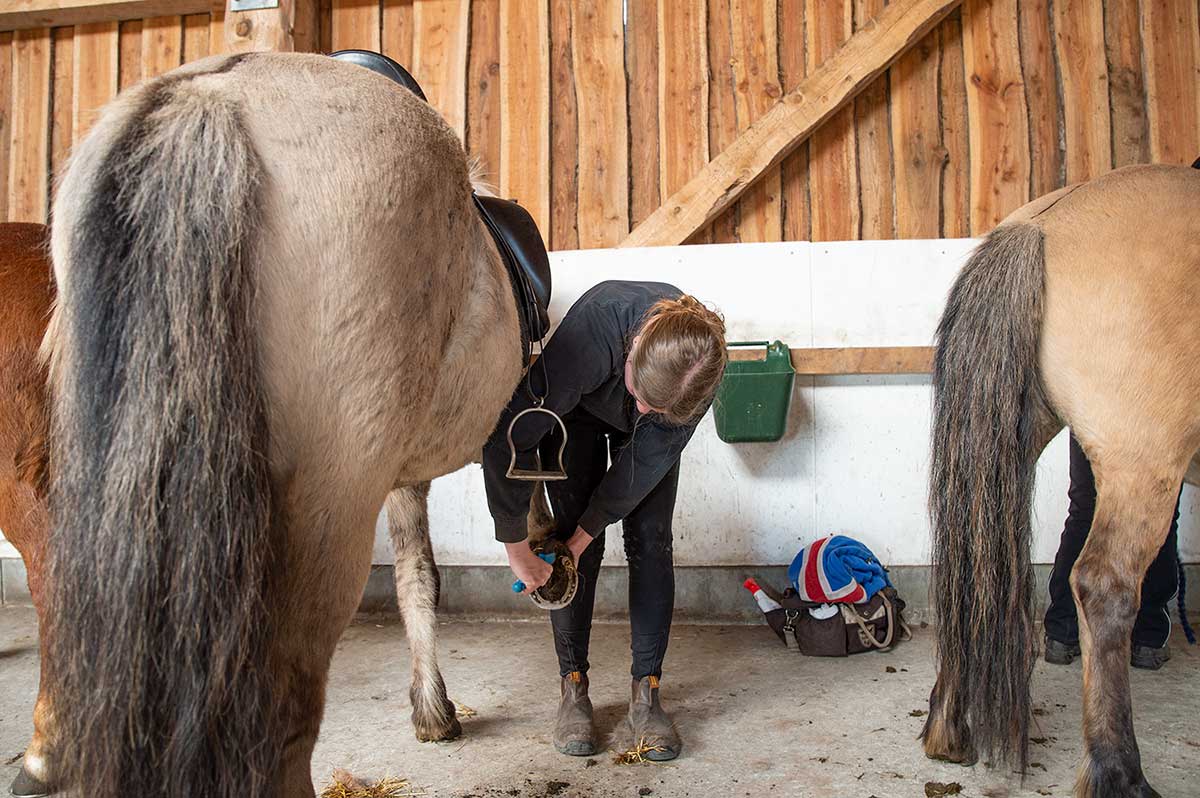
x: 536, y: 474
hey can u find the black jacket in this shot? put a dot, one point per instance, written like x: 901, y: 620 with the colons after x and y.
x: 585, y: 365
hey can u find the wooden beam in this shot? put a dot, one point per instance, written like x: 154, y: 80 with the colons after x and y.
x: 288, y: 28
x: 997, y: 117
x: 876, y: 170
x: 793, y: 68
x: 1126, y: 84
x: 755, y: 36
x: 1079, y: 41
x: 1172, y: 58
x: 24, y: 14
x: 682, y: 93
x: 916, y: 140
x: 598, y: 53
x: 833, y: 158
x: 162, y: 45
x: 483, y: 86
x: 641, y: 65
x: 564, y: 134
x: 356, y: 26
x: 956, y: 184
x: 96, y: 77
x: 525, y: 107
x: 766, y: 142
x: 29, y: 156
x: 6, y: 117
x: 853, y: 360
x: 440, y: 32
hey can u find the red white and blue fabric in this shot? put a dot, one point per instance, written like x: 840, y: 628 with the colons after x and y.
x: 837, y: 569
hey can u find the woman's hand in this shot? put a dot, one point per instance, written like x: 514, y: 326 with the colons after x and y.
x: 527, y: 566
x: 579, y: 543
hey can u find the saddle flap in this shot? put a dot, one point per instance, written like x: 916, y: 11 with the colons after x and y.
x: 522, y: 248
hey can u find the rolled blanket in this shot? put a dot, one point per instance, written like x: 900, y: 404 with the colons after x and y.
x: 837, y: 569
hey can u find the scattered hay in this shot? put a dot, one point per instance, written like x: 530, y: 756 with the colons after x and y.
x: 637, y: 754
x: 345, y: 785
x: 463, y: 711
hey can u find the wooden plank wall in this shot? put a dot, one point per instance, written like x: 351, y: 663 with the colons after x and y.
x: 592, y: 112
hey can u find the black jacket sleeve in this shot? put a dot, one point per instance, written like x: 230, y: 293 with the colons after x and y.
x: 636, y: 469
x: 576, y: 361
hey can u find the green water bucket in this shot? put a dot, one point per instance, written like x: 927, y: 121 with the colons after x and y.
x: 755, y: 395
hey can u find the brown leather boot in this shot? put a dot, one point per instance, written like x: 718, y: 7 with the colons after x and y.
x: 574, y: 733
x: 647, y: 728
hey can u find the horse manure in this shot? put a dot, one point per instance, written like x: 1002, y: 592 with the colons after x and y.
x: 936, y: 789
x: 917, y: 713
x: 890, y: 669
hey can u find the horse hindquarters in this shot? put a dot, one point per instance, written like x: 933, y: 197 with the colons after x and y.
x: 1119, y: 364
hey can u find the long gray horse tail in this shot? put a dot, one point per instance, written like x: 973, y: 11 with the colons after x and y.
x: 163, y: 506
x: 987, y: 401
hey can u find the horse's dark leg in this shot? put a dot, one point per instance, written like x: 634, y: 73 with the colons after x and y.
x: 417, y: 586
x: 1133, y: 513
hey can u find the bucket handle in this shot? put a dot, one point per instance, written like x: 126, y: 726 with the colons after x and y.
x: 775, y: 349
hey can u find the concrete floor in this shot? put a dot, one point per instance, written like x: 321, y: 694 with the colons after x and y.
x: 756, y: 719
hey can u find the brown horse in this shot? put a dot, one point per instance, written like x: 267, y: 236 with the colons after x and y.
x: 277, y: 308
x: 1078, y: 310
x: 26, y: 293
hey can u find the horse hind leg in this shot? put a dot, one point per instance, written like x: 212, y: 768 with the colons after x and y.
x: 417, y: 588
x: 316, y: 584
x: 23, y: 518
x: 1133, y: 515
x: 947, y: 735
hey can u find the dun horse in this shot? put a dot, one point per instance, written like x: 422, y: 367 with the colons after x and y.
x: 265, y: 328
x: 1078, y: 310
x: 26, y: 292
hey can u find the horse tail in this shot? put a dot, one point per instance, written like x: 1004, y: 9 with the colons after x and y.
x: 163, y: 503
x: 987, y: 401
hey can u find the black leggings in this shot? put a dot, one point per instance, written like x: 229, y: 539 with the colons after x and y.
x: 1153, y: 624
x: 647, y: 532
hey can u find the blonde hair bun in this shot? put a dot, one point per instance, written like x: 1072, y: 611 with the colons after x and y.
x: 680, y: 358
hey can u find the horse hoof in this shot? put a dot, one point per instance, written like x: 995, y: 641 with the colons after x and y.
x: 440, y: 734
x: 26, y: 786
x: 955, y: 756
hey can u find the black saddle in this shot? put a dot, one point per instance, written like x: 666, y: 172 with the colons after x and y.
x: 513, y: 229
